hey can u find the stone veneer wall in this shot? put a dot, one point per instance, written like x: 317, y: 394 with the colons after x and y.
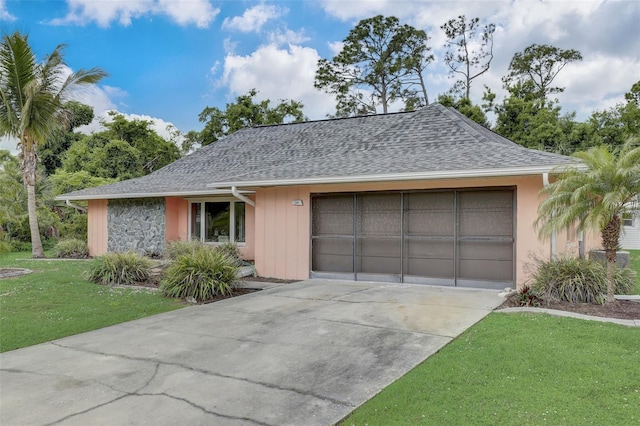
x: 136, y: 224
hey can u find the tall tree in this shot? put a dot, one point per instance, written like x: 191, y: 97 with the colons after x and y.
x: 466, y: 107
x: 537, y: 66
x: 469, y: 50
x: 615, y: 125
x: 52, y: 151
x: 244, y: 112
x: 32, y: 95
x: 381, y: 61
x: 594, y: 197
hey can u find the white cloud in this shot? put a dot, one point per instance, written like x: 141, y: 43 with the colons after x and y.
x: 253, y: 19
x: 279, y: 74
x: 283, y: 37
x: 83, y: 12
x: 336, y: 47
x: 4, y: 13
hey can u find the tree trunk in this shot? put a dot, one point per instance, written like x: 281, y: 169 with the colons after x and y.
x: 424, y: 89
x: 611, y: 272
x: 29, y: 167
x: 610, y: 242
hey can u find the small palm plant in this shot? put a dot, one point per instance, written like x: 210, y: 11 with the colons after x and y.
x: 594, y: 196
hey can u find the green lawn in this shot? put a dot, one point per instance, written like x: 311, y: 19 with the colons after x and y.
x: 55, y: 301
x: 519, y: 369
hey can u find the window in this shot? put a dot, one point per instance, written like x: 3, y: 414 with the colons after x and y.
x: 217, y: 221
x: 627, y: 219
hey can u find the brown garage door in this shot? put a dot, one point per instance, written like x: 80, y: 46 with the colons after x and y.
x: 461, y: 237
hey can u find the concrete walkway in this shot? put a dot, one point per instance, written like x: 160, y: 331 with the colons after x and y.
x: 305, y: 353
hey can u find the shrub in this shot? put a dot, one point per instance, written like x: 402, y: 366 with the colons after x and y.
x: 202, y: 274
x: 176, y: 249
x: 5, y: 246
x: 120, y: 268
x: 231, y: 250
x: 527, y: 297
x: 577, y: 280
x: 72, y: 248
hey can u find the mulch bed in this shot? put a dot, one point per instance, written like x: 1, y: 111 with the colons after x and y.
x: 620, y: 309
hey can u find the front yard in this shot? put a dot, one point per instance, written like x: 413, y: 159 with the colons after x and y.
x: 519, y: 369
x: 56, y: 301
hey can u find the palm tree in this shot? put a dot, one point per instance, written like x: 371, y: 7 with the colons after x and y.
x: 594, y: 196
x: 31, y: 99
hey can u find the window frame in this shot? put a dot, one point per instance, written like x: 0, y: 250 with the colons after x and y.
x: 628, y: 216
x: 232, y: 220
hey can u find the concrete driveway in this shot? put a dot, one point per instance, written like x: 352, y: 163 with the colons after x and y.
x: 305, y: 353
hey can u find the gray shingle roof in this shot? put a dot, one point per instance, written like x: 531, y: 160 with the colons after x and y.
x: 433, y: 141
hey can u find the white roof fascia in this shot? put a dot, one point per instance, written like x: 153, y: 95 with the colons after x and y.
x: 151, y: 195
x: 448, y: 174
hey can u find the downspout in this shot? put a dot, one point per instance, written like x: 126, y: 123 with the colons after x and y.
x: 239, y: 196
x: 545, y: 182
x: 82, y: 209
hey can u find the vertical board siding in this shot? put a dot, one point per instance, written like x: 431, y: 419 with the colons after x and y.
x: 97, y: 234
x: 176, y: 221
x: 281, y: 233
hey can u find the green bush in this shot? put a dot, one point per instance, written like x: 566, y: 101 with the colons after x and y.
x: 176, y: 249
x: 72, y: 248
x: 120, y: 268
x: 5, y: 246
x: 202, y: 274
x: 577, y: 280
x: 231, y: 250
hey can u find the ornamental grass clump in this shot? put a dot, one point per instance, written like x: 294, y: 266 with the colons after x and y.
x: 124, y: 268
x: 177, y: 248
x: 202, y: 275
x: 577, y: 281
x: 72, y: 248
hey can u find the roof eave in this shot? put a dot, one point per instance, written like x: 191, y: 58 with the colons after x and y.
x: 447, y: 174
x: 148, y: 195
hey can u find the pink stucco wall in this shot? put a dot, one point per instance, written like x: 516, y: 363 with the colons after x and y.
x: 283, y: 230
x: 97, y: 227
x: 176, y: 219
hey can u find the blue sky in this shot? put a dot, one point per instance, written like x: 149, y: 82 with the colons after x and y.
x: 168, y: 59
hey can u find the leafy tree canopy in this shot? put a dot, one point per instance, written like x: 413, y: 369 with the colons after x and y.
x: 537, y: 66
x: 244, y: 112
x: 466, y: 107
x: 381, y: 61
x: 126, y: 149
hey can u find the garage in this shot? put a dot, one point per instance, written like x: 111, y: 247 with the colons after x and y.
x: 459, y: 237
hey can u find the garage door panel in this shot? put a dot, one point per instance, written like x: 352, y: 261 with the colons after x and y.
x: 425, y: 267
x: 378, y: 265
x: 486, y: 250
x: 379, y: 255
x: 429, y: 222
x: 485, y: 223
x: 485, y: 199
x: 332, y: 216
x: 485, y: 270
x: 332, y: 255
x: 429, y: 248
x: 378, y: 215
